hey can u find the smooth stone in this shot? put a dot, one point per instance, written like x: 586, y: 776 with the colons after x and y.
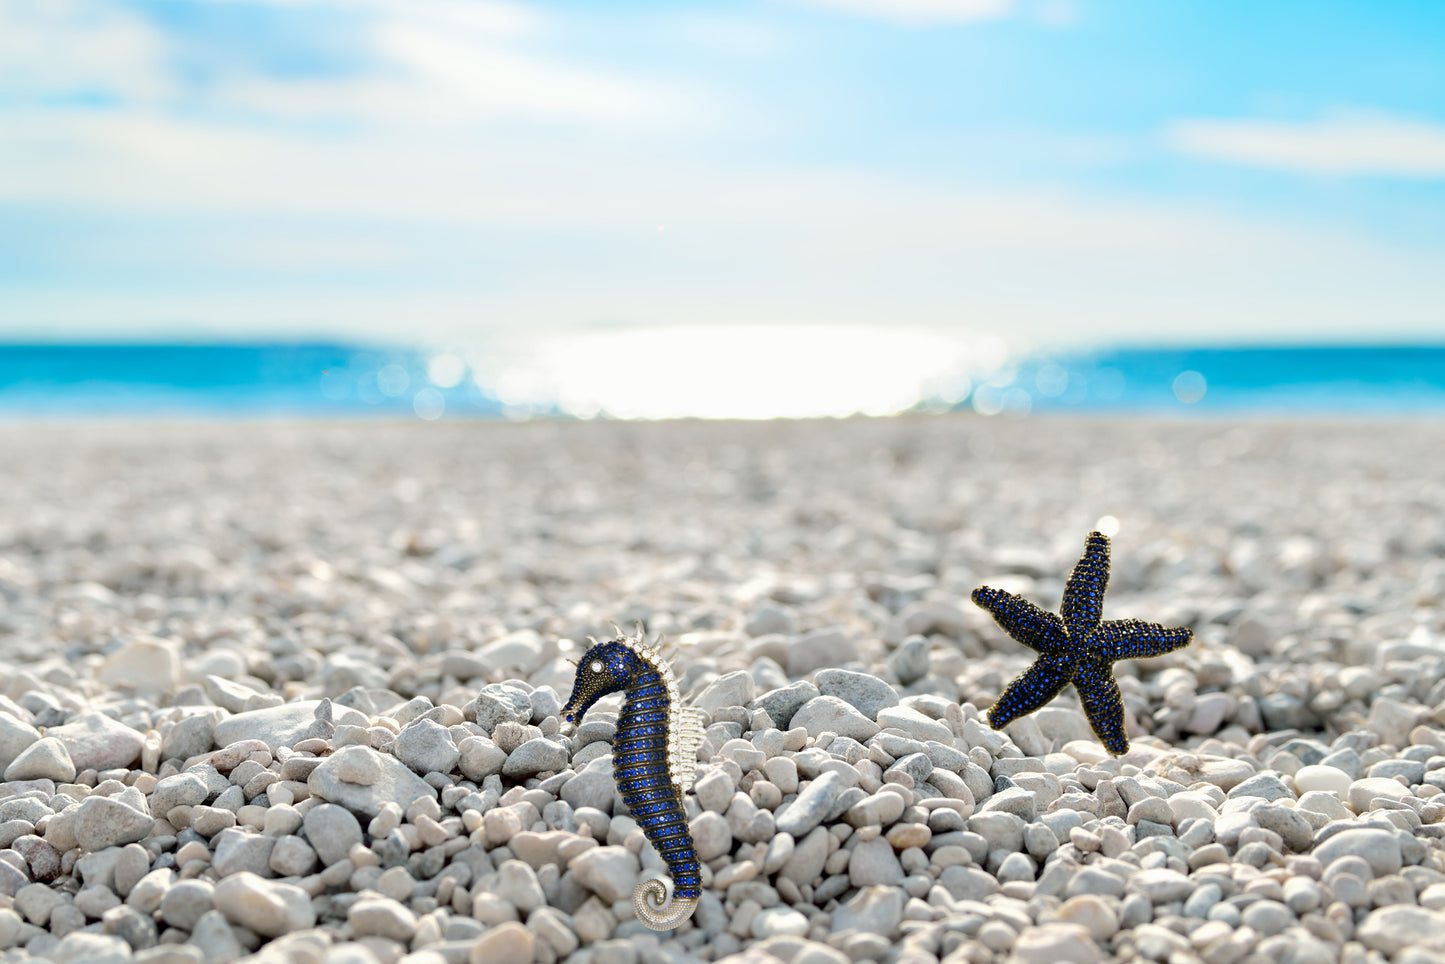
x: 178, y: 790
x: 276, y: 726
x: 1162, y: 885
x: 1014, y: 800
x: 523, y: 651
x: 1379, y: 848
x: 1061, y: 724
x: 1324, y: 778
x: 501, y: 703
x: 537, y: 755
x: 811, y: 806
x: 190, y: 737
x: 133, y: 863
x: 829, y: 714
x: 1264, y: 785
x: 769, y: 619
x: 1325, y: 803
x: 873, y: 910
x: 268, y: 907
x: 12, y: 878
x: 425, y: 747
x: 1412, y: 770
x: 782, y: 703
x: 1093, y: 913
x: 805, y: 861
x: 215, y: 937
x: 513, y: 943
x: 1363, y: 792
x: 1268, y: 917
x: 1060, y: 943
x: 83, y: 947
x: 1394, y: 720
x: 609, y: 872
x: 922, y: 617
x: 145, y: 664
x: 881, y: 809
x: 103, y: 822
x: 874, y: 862
x: 593, y: 786
x: 15, y: 736
x: 1210, y: 712
x: 1000, y: 830
x: 390, y: 781
x: 1225, y: 774
x: 967, y: 883
x: 1296, y: 832
x: 292, y: 857
x: 97, y: 742
x: 518, y: 885
x: 479, y: 758
x: 332, y: 831
x: 45, y: 759
x: 715, y: 789
x: 909, y: 661
x: 819, y: 649
x: 914, y: 724
x: 866, y: 693
x: 237, y: 851
x: 186, y: 901
x: 711, y: 835
x: 779, y: 922
x: 1391, y: 930
x: 729, y: 690
x: 1346, y: 758
x: 382, y: 917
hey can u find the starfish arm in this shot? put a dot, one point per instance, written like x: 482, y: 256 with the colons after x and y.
x: 1136, y: 639
x: 1034, y: 687
x: 1084, y: 592
x: 1021, y: 619
x: 1103, y: 705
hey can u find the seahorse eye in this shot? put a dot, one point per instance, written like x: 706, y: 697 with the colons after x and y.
x: 596, y: 666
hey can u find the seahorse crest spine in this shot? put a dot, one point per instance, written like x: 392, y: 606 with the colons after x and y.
x: 653, y: 754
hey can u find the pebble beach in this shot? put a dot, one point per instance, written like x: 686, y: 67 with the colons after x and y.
x: 290, y: 692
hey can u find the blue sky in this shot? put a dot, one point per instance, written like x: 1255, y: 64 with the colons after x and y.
x: 1049, y: 171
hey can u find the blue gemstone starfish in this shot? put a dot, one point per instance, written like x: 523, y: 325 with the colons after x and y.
x: 1078, y: 648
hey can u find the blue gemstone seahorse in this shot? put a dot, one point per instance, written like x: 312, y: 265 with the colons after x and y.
x: 652, y: 761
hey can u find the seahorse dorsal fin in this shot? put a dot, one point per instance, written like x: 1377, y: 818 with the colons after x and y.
x: 689, y: 741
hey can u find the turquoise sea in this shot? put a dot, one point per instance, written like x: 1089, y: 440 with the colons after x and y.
x: 316, y: 379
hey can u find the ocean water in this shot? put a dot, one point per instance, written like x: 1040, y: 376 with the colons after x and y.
x: 313, y: 379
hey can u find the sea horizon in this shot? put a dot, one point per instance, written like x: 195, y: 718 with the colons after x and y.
x: 315, y: 378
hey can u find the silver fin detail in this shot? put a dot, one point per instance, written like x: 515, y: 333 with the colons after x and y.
x: 688, y: 742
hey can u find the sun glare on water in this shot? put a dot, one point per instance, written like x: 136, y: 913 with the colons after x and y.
x: 744, y: 372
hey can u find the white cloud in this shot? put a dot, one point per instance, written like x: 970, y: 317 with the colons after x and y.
x: 78, y: 48
x: 524, y: 235
x: 919, y: 12
x: 448, y: 61
x: 1355, y: 144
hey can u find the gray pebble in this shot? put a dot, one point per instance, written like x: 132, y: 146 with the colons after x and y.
x: 1379, y: 848
x: 873, y: 910
x: 1264, y: 785
x: 728, y: 690
x: 499, y: 702
x: 782, y: 703
x: 103, y: 822
x: 864, y: 692
x: 426, y: 746
x: 811, y: 806
x: 829, y: 714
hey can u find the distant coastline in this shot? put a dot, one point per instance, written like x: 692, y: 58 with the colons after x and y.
x: 320, y: 379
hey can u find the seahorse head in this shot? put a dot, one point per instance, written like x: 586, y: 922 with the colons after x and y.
x: 605, y: 668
